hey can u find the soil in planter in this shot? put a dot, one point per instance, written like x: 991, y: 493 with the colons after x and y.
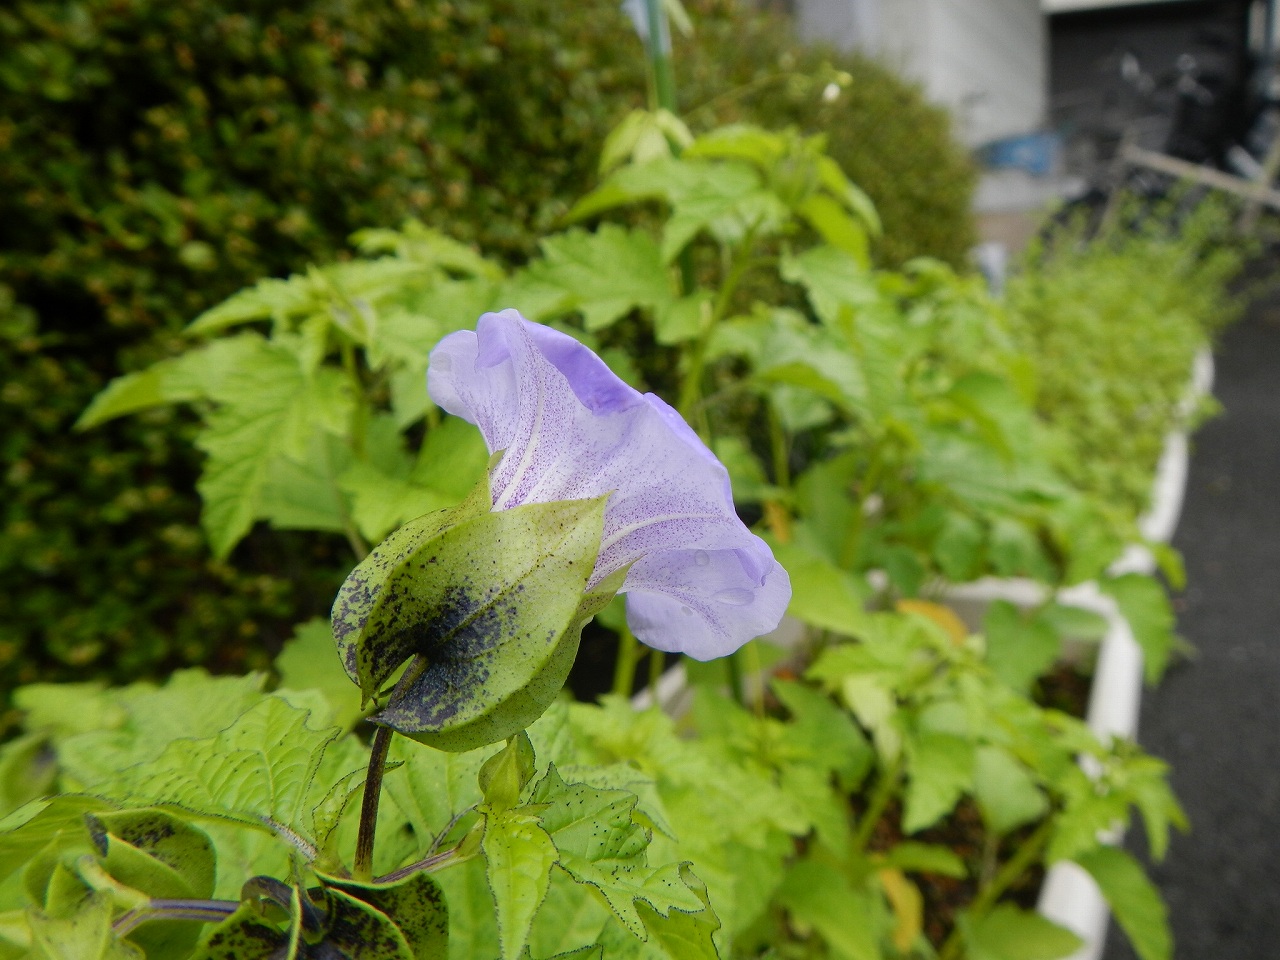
x: 1066, y: 688
x: 964, y: 833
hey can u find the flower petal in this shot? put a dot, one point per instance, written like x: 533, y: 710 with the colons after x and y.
x: 706, y: 603
x: 572, y: 430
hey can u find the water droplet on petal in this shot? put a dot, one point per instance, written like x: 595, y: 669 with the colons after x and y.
x: 736, y: 597
x: 702, y: 558
x: 686, y: 611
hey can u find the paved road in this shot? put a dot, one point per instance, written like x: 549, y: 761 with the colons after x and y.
x: 1216, y: 718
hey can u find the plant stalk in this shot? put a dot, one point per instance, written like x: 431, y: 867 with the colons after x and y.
x: 369, y: 804
x: 659, y: 50
x: 624, y: 669
x: 691, y: 388
x: 203, y: 911
x: 880, y: 797
x: 1026, y: 854
x: 778, y: 447
x: 363, y: 867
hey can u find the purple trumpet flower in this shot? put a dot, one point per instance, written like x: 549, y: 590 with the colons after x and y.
x: 699, y: 582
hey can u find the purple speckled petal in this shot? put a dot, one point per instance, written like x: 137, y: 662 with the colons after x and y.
x: 572, y: 430
x: 706, y: 603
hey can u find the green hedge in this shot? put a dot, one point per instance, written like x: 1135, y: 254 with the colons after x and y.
x: 157, y: 155
x: 894, y: 144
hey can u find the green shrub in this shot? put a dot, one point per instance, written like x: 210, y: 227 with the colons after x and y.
x: 1111, y: 326
x: 157, y: 156
x: 888, y: 139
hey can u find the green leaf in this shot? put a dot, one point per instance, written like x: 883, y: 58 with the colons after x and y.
x: 683, y: 934
x: 601, y: 845
x: 415, y: 905
x: 194, y: 375
x: 940, y: 770
x: 487, y: 602
x: 1147, y: 781
x: 81, y: 934
x: 163, y: 857
x: 650, y: 811
x: 626, y: 884
x: 914, y: 857
x: 1008, y: 933
x: 958, y: 547
x: 571, y: 915
x: 822, y: 897
x: 641, y: 137
x: 355, y: 928
x: 472, y: 931
x: 519, y: 856
x: 586, y: 821
x: 269, y: 407
x: 452, y: 459
x: 56, y: 824
x: 836, y: 227
x: 746, y: 474
x: 432, y: 786
x: 259, y: 771
x: 1145, y: 604
x: 245, y: 936
x: 1021, y: 647
x: 681, y: 320
x: 309, y: 661
x: 504, y: 775
x: 300, y: 494
x: 1134, y: 900
x: 313, y: 292
x: 604, y: 274
x: 844, y: 190
x: 25, y: 771
x: 109, y: 730
x: 425, y: 246
x: 724, y: 198
x: 822, y: 734
x: 179, y: 858
x: 823, y: 595
x: 833, y: 279
x: 1005, y: 792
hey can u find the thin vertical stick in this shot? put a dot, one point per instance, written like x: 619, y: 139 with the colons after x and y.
x: 369, y: 805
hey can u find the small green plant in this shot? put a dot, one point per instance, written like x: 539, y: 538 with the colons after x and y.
x: 1111, y: 326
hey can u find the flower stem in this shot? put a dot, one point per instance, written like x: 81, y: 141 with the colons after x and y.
x: 691, y: 388
x: 778, y: 447
x: 624, y: 669
x: 442, y: 858
x: 733, y: 664
x: 204, y: 911
x: 880, y: 797
x: 369, y: 804
x: 1026, y: 854
x: 363, y: 867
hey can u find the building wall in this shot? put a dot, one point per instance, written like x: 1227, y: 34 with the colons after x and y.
x: 984, y: 59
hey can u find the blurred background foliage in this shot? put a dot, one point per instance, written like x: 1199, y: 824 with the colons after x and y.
x: 157, y: 155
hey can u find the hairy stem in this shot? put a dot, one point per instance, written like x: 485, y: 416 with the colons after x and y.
x: 442, y: 858
x: 363, y: 867
x: 369, y: 804
x: 204, y: 911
